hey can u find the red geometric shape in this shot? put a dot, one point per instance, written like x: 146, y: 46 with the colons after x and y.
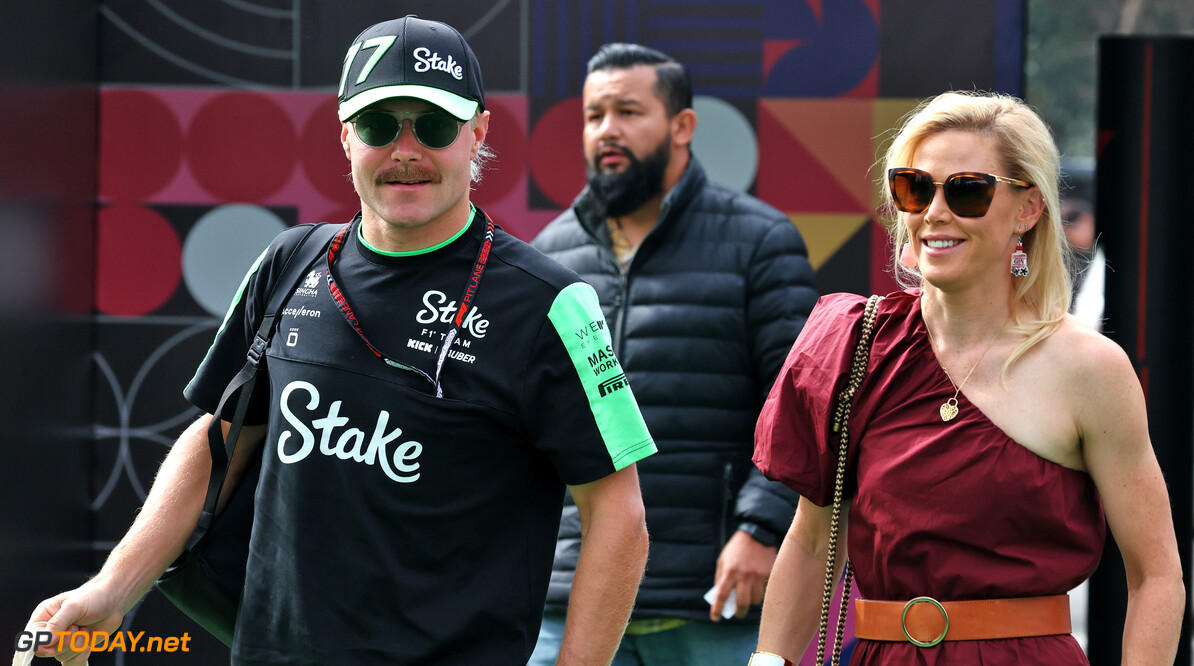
x: 515, y: 215
x: 774, y: 49
x: 247, y: 124
x: 140, y: 145
x: 818, y: 10
x: 138, y: 260
x: 557, y: 153
x: 882, y: 278
x: 322, y: 155
x: 867, y: 88
x: 507, y: 139
x: 791, y: 178
x: 339, y: 216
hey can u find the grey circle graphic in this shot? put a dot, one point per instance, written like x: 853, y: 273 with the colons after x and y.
x: 725, y: 143
x: 221, y: 248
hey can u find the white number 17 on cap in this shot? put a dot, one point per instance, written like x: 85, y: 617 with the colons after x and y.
x: 381, y: 44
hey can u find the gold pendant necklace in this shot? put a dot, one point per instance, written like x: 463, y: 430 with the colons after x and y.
x: 949, y: 408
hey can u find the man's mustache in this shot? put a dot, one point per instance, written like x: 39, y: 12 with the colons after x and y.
x: 624, y: 151
x: 407, y: 174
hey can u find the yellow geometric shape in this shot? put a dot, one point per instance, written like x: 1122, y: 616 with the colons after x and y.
x: 886, y: 116
x: 826, y: 234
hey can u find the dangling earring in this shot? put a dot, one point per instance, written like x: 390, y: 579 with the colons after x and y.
x: 907, y: 259
x: 1020, y: 259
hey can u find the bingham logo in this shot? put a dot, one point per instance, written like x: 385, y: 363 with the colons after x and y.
x: 612, y: 384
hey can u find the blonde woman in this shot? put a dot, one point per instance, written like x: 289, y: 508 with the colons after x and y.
x: 993, y: 438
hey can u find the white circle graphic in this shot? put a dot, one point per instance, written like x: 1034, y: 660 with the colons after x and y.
x: 221, y: 248
x: 725, y: 143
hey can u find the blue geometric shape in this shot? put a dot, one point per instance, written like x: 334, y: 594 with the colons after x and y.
x: 563, y: 36
x: 790, y: 19
x: 835, y: 54
x: 1009, y: 47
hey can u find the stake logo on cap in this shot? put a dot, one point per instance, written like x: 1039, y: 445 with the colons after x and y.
x: 411, y: 57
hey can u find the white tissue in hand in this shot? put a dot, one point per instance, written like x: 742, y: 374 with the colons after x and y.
x: 731, y: 605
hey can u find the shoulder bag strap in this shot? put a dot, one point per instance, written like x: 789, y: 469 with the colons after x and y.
x: 309, y: 248
x: 841, y: 418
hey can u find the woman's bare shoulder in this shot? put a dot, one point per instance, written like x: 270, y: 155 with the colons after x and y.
x: 1089, y: 362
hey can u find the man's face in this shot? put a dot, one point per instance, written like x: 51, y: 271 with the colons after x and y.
x: 627, y: 137
x: 405, y: 184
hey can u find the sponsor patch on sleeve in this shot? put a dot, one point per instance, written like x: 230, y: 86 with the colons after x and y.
x: 576, y: 316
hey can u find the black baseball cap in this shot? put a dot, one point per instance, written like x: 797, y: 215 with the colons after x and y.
x: 411, y: 57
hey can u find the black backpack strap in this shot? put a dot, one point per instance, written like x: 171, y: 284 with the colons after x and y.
x: 312, y: 245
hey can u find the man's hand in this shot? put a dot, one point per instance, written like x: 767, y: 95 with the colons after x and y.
x: 88, y: 608
x: 155, y: 539
x: 744, y: 565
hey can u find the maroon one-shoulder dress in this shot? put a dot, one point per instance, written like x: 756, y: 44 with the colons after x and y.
x: 952, y: 510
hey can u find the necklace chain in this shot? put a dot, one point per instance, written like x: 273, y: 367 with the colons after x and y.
x: 949, y: 408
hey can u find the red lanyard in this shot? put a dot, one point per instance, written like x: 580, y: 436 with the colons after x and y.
x: 466, y: 300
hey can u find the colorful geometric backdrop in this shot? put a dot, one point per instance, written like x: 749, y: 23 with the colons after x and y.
x: 218, y: 129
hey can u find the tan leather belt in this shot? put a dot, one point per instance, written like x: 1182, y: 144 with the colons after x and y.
x: 925, y: 622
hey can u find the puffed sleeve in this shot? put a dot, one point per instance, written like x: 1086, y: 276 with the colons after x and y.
x: 794, y: 440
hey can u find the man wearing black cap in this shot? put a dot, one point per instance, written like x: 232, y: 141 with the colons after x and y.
x: 434, y: 384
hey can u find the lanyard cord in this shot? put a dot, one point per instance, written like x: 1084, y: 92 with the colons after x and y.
x: 466, y: 299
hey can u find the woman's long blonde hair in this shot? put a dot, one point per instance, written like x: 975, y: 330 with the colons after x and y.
x: 1026, y: 147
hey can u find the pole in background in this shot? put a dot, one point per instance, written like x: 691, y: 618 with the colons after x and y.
x: 1143, y: 215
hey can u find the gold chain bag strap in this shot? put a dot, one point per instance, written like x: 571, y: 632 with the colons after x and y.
x: 841, y: 418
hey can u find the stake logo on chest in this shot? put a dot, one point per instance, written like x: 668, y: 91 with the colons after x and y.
x: 338, y: 439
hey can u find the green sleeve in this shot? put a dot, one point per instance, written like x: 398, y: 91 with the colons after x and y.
x: 577, y: 319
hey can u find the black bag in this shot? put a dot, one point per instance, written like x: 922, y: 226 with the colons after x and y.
x: 207, y: 580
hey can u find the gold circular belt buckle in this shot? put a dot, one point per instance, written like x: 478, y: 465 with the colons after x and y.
x: 904, y: 623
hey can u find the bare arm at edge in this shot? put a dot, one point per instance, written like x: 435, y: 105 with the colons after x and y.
x: 613, y: 556
x: 792, y: 604
x: 155, y: 539
x: 1118, y: 453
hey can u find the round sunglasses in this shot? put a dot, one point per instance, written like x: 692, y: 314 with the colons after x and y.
x: 968, y: 193
x: 435, y: 130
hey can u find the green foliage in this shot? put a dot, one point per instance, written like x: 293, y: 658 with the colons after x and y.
x: 1061, y: 58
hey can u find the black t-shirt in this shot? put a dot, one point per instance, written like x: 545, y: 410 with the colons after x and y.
x: 392, y: 526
